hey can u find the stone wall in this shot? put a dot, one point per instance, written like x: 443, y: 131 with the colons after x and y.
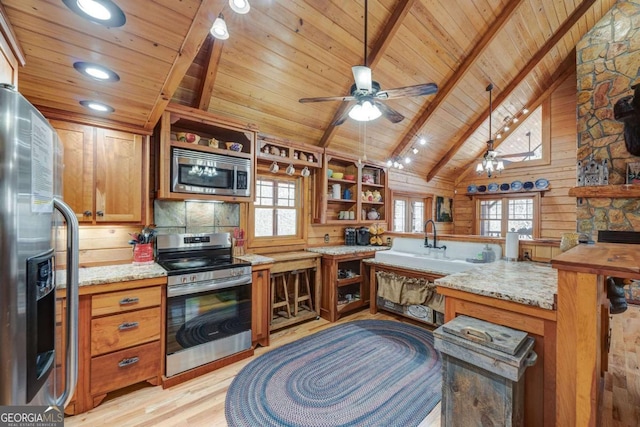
x: 608, y: 64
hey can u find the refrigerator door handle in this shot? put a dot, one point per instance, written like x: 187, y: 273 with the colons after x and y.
x: 71, y: 350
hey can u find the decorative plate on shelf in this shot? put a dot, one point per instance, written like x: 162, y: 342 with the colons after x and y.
x: 482, y: 188
x: 504, y: 187
x: 542, y: 183
x: 472, y: 188
x: 492, y: 187
x: 528, y: 185
x: 516, y: 186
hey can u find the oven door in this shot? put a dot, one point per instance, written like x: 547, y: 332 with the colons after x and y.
x: 203, y: 326
x: 205, y: 173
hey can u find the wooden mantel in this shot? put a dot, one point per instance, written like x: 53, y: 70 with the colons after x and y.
x: 623, y: 191
x: 582, y: 326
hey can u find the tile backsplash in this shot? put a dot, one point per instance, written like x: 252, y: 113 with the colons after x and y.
x: 195, y: 216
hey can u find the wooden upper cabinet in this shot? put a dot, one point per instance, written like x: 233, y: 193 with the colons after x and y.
x: 118, y: 175
x: 77, y: 176
x: 103, y: 173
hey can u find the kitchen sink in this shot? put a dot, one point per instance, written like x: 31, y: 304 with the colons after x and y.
x: 411, y: 253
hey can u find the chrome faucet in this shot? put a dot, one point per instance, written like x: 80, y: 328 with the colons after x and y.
x: 435, y: 236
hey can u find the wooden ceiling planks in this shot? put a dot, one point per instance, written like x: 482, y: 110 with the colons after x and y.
x: 287, y: 49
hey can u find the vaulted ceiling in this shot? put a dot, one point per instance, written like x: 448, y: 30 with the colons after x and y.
x: 284, y: 50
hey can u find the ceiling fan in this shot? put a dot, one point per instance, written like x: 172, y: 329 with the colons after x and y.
x: 368, y: 94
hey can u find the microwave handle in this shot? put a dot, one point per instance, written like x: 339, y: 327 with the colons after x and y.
x: 235, y: 179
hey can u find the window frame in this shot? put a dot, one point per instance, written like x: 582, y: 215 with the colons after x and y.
x: 301, y: 213
x: 504, y: 197
x: 427, y: 199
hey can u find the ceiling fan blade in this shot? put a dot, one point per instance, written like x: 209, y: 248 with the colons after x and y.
x: 389, y: 113
x: 327, y: 98
x: 525, y: 154
x: 343, y: 118
x: 362, y: 77
x: 417, y: 90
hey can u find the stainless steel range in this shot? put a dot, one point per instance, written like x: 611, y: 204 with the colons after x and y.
x: 208, y: 299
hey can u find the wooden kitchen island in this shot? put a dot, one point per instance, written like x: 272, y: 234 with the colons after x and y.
x: 519, y: 295
x: 583, y: 326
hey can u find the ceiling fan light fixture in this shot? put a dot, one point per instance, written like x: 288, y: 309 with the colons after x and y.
x: 362, y: 77
x: 364, y: 111
x: 240, y: 6
x: 219, y: 28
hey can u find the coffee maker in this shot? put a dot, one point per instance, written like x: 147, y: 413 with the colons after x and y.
x: 363, y: 236
x: 350, y: 236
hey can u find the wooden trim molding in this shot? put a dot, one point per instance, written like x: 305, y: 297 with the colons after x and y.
x: 10, y: 37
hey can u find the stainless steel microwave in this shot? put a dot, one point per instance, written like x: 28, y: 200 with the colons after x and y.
x: 198, y: 172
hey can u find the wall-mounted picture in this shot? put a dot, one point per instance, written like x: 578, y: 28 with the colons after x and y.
x: 633, y: 173
x: 444, y: 209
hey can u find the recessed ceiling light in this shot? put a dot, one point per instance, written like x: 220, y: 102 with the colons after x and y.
x: 96, y: 71
x: 97, y: 106
x: 240, y: 6
x: 104, y: 12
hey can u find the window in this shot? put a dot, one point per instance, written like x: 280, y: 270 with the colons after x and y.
x: 529, y: 143
x: 277, y: 206
x: 408, y: 214
x: 497, y: 216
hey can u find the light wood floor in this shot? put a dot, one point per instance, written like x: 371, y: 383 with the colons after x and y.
x: 200, y: 402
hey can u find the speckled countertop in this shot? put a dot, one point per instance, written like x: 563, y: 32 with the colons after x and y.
x: 256, y: 259
x: 88, y: 276
x: 344, y: 250
x: 529, y: 283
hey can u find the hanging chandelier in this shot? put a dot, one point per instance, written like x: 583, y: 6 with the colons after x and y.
x: 490, y: 162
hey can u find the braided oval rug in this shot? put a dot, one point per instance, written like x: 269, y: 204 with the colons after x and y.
x: 361, y: 373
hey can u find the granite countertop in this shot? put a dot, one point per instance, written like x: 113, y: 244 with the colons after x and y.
x: 432, y: 270
x: 528, y: 283
x: 345, y: 250
x: 88, y: 276
x: 256, y: 259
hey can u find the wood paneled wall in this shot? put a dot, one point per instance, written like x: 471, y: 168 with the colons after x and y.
x: 99, y: 245
x: 558, y: 210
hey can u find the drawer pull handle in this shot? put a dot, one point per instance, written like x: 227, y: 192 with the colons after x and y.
x: 128, y: 325
x: 126, y: 301
x: 126, y: 362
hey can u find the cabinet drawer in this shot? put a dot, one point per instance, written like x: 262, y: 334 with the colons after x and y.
x: 111, y: 333
x: 118, y: 302
x: 125, y: 367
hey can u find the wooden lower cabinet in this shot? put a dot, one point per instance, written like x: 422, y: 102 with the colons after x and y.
x: 343, y: 294
x: 260, y: 304
x: 120, y: 342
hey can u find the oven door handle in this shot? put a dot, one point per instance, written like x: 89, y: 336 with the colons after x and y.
x: 211, y: 285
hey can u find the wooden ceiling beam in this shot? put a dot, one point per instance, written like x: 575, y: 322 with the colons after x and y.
x: 502, y: 96
x: 186, y: 54
x: 377, y: 52
x: 421, y: 120
x: 208, y: 77
x: 565, y: 70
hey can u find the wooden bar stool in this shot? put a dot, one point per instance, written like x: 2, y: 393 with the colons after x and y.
x: 297, y: 298
x: 279, y: 279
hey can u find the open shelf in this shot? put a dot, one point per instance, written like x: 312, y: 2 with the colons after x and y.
x: 349, y: 281
x: 622, y: 191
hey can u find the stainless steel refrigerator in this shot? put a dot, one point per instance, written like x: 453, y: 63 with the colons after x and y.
x: 30, y: 188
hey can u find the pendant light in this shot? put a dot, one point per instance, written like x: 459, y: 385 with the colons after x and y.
x: 490, y: 162
x: 219, y: 28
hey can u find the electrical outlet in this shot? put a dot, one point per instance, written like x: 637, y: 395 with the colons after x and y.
x: 326, y: 238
